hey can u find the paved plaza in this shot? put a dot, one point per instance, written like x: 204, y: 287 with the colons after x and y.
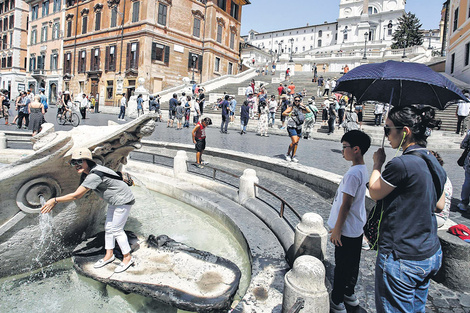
x: 318, y: 153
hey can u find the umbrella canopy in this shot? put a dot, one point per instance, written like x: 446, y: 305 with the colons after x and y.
x: 399, y: 84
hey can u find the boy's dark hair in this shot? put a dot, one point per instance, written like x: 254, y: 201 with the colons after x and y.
x: 207, y: 121
x: 227, y: 97
x: 357, y: 138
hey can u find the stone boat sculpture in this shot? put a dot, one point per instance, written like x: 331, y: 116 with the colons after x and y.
x: 47, y: 173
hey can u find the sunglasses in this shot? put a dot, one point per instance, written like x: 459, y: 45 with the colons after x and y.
x: 296, y: 100
x: 76, y: 162
x: 387, y: 129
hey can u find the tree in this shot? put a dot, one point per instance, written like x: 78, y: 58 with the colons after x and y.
x: 408, y: 33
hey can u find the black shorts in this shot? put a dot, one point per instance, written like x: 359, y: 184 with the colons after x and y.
x: 200, y: 144
x: 359, y: 116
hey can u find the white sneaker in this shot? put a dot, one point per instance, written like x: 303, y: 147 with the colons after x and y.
x: 295, y: 160
x: 351, y: 300
x: 337, y: 308
x: 288, y: 158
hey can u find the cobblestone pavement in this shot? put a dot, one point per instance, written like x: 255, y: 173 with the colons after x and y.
x: 325, y: 155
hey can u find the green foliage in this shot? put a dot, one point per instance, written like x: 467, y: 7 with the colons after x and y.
x: 408, y: 33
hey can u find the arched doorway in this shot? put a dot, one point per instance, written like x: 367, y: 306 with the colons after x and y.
x: 53, y: 93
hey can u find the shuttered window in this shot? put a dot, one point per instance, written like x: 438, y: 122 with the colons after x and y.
x: 219, y: 33
x: 132, y: 55
x: 160, y: 53
x: 113, y: 17
x: 135, y: 11
x: 162, y: 12
x: 98, y: 21
x: 84, y: 24
x: 197, y: 27
x: 198, y: 64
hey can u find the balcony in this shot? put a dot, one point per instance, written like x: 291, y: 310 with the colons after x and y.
x: 39, y: 74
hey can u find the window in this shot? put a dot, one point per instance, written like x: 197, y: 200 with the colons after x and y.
x: 160, y: 53
x: 232, y: 40
x: 44, y: 33
x: 9, y: 58
x: 217, y: 64
x: 110, y: 58
x: 41, y: 62
x: 82, y: 62
x: 452, y: 63
x: 56, y: 6
x: 390, y: 30
x: 345, y: 36
x: 98, y: 20
x: 55, y: 31
x: 5, y: 23
x: 162, y: 10
x: 234, y: 10
x: 135, y: 11
x: 372, y: 10
x: 109, y: 89
x: 68, y: 63
x: 1, y: 8
x: 222, y: 4
x: 69, y: 28
x: 197, y: 64
x: 34, y: 12
x: 219, y: 33
x: 34, y: 36
x: 32, y: 63
x: 113, y: 17
x: 12, y: 21
x: 95, y: 59
x: 45, y: 8
x: 132, y: 55
x: 197, y: 27
x: 54, y: 61
x: 4, y: 42
x: 230, y: 68
x: 4, y: 62
x: 456, y: 19
x: 320, y: 33
x: 69, y: 2
x: 319, y: 42
x: 467, y: 54
x: 84, y: 24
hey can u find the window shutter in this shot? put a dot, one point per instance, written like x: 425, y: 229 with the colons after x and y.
x: 136, y: 60
x: 50, y: 66
x: 190, y: 60
x: 128, y: 56
x: 106, y: 59
x: 199, y: 67
x: 167, y: 55
x: 99, y: 60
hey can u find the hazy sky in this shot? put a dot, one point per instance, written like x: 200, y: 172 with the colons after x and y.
x: 267, y: 15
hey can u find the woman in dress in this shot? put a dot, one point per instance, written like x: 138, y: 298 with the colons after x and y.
x: 411, y: 188
x: 109, y: 187
x: 36, y: 115
x: 263, y: 119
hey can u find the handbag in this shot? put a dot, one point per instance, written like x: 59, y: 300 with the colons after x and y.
x: 372, y: 226
x: 461, y: 160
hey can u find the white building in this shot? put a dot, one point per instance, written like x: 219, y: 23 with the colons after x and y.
x: 361, y: 25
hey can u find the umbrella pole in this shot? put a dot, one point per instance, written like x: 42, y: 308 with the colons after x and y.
x: 390, y: 104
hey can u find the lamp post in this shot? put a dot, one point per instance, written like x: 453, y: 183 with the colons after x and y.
x: 280, y: 49
x: 430, y: 36
x: 404, y: 47
x: 194, y: 59
x: 113, y: 4
x: 366, y: 34
x: 291, y: 49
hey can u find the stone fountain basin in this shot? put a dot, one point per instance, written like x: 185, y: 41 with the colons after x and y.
x: 166, y: 270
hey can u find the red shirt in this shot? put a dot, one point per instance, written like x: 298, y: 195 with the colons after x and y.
x: 280, y: 89
x: 201, y: 131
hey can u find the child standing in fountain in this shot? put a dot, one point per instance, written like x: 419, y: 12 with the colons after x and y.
x: 347, y: 219
x: 109, y: 186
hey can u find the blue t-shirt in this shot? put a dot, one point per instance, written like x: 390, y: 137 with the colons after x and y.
x: 245, y: 112
x: 233, y: 105
x: 44, y: 101
x: 409, y: 228
x: 225, y: 107
x: 173, y: 104
x: 139, y: 103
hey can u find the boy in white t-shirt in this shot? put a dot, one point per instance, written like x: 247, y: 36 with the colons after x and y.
x: 347, y: 219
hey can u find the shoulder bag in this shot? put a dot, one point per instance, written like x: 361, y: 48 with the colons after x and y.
x: 461, y: 160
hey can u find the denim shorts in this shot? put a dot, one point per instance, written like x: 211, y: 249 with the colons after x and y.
x: 294, y: 131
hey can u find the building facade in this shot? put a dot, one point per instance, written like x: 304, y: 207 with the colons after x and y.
x: 13, y: 43
x: 108, y: 46
x: 458, y: 40
x: 45, y: 46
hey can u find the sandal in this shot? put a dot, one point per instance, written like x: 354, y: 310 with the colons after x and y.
x: 102, y: 262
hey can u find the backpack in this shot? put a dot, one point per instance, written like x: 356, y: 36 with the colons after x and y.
x: 298, y: 117
x: 125, y: 177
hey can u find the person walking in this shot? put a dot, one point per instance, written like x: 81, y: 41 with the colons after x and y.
x: 123, y: 107
x: 272, y: 107
x: 172, y: 104
x: 263, y: 119
x: 140, y: 106
x: 225, y: 106
x: 378, y: 111
x: 331, y: 117
x: 465, y: 192
x: 233, y: 107
x: 108, y: 186
x: 23, y: 112
x: 36, y: 115
x: 296, y: 118
x: 244, y: 116
x: 199, y: 139
x: 320, y: 83
x: 83, y: 106
x: 462, y: 111
x: 411, y: 189
x: 326, y: 91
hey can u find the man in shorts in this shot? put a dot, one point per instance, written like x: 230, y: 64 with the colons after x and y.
x: 199, y: 139
x: 172, y: 110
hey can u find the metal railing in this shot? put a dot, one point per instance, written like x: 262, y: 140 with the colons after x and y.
x: 284, y: 203
x: 298, y: 305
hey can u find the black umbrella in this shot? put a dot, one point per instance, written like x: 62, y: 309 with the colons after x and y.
x: 399, y: 84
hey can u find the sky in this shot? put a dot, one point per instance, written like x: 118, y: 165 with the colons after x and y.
x: 269, y: 15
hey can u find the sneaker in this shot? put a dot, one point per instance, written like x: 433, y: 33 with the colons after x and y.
x: 295, y: 160
x: 351, y: 300
x: 204, y: 162
x: 462, y: 207
x: 337, y: 308
x: 288, y: 158
x: 198, y: 165
x: 365, y: 245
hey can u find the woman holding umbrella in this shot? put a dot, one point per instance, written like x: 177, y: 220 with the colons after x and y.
x: 411, y: 188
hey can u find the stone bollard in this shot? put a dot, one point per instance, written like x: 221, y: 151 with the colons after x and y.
x: 179, y: 163
x: 306, y: 280
x: 247, y: 185
x: 3, y: 141
x: 310, y: 237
